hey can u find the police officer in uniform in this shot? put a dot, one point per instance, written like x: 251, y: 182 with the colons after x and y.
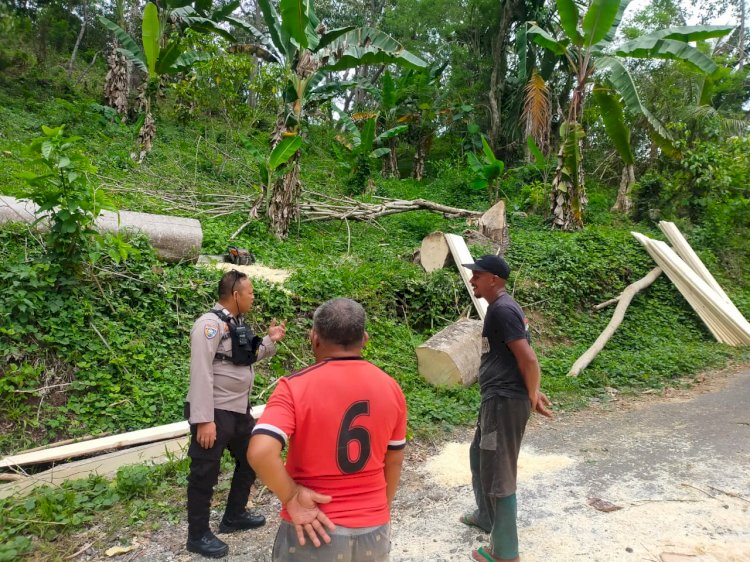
x: 222, y: 352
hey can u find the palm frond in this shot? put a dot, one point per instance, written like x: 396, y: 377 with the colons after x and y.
x: 537, y: 111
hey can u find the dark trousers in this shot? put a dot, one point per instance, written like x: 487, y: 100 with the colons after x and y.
x: 232, y: 432
x: 493, y: 457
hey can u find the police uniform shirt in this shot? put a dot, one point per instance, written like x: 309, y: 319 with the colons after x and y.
x: 218, y: 383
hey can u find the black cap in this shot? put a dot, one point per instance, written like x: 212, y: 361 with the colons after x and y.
x: 491, y: 264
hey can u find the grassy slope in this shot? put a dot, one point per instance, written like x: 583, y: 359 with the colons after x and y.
x: 145, y: 317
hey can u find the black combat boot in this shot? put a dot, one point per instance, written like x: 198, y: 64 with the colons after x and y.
x: 240, y: 522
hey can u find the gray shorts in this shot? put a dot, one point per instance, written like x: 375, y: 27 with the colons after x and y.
x: 367, y: 544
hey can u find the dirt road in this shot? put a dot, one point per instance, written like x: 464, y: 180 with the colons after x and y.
x: 677, y: 465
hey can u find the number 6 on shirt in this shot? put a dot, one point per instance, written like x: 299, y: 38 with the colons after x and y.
x: 349, y: 433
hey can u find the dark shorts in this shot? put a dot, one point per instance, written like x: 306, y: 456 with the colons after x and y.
x: 502, y: 422
x: 369, y: 544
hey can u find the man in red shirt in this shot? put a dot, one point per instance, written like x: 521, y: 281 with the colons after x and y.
x: 345, y: 423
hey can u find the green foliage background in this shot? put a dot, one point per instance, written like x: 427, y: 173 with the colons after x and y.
x: 107, y: 350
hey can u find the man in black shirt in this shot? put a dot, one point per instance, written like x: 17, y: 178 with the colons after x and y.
x: 509, y: 380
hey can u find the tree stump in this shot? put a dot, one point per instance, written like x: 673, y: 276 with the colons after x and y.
x: 451, y: 356
x: 434, y: 252
x: 492, y: 223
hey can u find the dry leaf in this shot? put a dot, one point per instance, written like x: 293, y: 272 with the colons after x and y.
x: 115, y: 550
x: 603, y: 505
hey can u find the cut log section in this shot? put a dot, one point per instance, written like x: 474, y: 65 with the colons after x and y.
x: 493, y: 224
x: 622, y: 305
x: 451, y: 356
x: 434, y: 252
x: 461, y: 255
x: 174, y: 238
x: 53, y: 453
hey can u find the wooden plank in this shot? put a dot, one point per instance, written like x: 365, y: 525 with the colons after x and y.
x: 461, y: 255
x: 686, y: 252
x: 724, y: 323
x: 102, y: 465
x: 688, y: 291
x: 53, y: 453
x: 731, y: 322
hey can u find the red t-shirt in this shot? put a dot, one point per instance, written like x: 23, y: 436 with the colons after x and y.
x: 339, y: 416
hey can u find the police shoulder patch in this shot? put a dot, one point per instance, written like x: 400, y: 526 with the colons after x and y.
x: 210, y: 330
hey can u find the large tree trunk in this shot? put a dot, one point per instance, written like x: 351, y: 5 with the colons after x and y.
x: 419, y: 158
x: 420, y: 155
x: 84, y: 22
x: 568, y: 197
x: 390, y: 162
x: 283, y: 208
x: 499, y: 68
x: 624, y: 204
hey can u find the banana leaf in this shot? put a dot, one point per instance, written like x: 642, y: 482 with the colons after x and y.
x: 366, y: 45
x: 647, y: 47
x: 614, y: 121
x: 129, y: 47
x: 568, y: 12
x: 150, y: 33
x: 544, y: 39
x: 598, y: 20
x: 284, y: 151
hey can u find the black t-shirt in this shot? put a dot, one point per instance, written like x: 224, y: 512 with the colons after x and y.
x: 499, y: 374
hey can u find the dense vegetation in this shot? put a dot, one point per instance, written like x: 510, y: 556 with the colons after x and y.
x: 94, y: 329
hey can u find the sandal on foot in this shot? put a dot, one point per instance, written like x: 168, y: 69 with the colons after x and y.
x: 482, y: 555
x: 471, y: 520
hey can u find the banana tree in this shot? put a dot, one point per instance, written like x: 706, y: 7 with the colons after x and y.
x: 363, y: 147
x: 164, y: 53
x: 487, y: 172
x: 584, y: 41
x: 610, y: 108
x: 297, y: 41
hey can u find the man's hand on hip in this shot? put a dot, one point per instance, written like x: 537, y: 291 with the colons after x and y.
x: 206, y: 434
x: 307, y: 517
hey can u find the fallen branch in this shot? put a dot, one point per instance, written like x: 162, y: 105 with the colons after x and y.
x: 625, y: 298
x: 730, y: 494
x: 605, y: 304
x: 317, y: 207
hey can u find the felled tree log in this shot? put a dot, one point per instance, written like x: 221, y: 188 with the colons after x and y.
x: 622, y: 305
x: 434, y: 252
x: 493, y: 225
x: 451, y: 356
x: 173, y: 238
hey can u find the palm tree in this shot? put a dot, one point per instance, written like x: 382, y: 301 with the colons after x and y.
x: 585, y: 43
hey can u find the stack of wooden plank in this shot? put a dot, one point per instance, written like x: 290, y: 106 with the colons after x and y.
x: 691, y: 277
x: 104, y: 456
